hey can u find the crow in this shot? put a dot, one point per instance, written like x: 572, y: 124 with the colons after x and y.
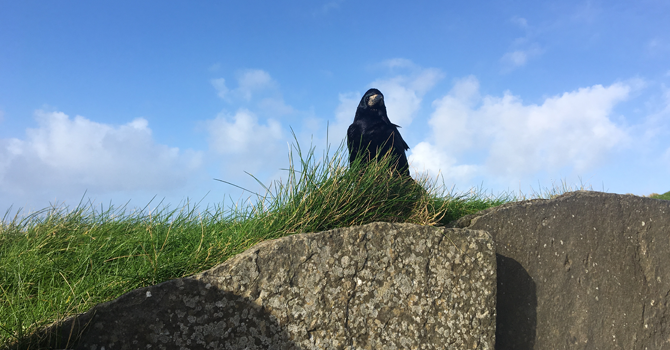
x: 372, y: 133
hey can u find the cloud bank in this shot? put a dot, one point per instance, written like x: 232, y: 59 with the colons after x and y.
x: 67, y: 155
x: 572, y: 130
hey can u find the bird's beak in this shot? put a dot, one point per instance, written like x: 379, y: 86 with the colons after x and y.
x: 374, y: 99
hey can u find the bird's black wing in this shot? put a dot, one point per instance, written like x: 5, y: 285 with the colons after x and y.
x: 398, y: 138
x: 354, y: 134
x: 397, y: 146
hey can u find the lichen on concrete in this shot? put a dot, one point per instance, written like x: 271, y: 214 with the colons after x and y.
x: 390, y: 286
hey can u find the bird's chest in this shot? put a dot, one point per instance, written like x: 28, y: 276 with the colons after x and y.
x: 374, y: 129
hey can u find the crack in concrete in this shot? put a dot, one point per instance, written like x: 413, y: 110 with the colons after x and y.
x: 252, y: 289
x: 353, y: 293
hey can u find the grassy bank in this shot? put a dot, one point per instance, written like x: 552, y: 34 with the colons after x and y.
x: 60, y: 262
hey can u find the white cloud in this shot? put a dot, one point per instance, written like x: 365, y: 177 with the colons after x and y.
x: 452, y: 115
x: 656, y: 130
x: 520, y: 21
x: 655, y: 127
x: 250, y: 140
x: 425, y: 80
x: 243, y: 146
x: 515, y: 58
x: 253, y: 80
x: 249, y: 83
x: 571, y: 130
x: 220, y: 86
x: 241, y: 133
x: 425, y: 157
x: 587, y: 12
x: 657, y: 46
x: 275, y: 106
x: 344, y: 115
x: 665, y: 160
x: 399, y: 63
x: 329, y: 6
x: 522, y: 49
x: 518, y: 58
x: 257, y: 91
x: 75, y: 155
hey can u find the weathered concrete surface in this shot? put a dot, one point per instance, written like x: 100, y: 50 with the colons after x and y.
x: 586, y: 270
x: 378, y: 286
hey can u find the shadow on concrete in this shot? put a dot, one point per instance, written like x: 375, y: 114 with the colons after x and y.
x: 516, y: 306
x: 176, y: 314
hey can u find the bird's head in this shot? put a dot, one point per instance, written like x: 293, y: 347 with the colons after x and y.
x: 373, y: 99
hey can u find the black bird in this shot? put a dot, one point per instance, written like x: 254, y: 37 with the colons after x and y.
x: 372, y: 133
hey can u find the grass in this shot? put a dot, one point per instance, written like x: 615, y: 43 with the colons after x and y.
x: 665, y: 196
x: 60, y: 262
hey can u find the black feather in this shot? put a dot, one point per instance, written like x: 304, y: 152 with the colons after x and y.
x: 372, y: 133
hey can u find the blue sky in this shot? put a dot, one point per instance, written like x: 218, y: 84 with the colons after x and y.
x: 126, y: 100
